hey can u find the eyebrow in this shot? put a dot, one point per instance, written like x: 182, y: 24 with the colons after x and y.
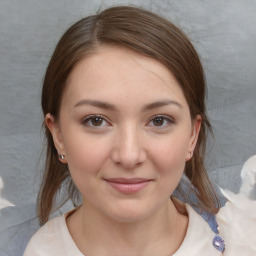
x: 108, y: 106
x: 96, y: 103
x: 161, y: 103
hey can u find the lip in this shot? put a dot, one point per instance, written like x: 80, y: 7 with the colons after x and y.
x: 128, y: 186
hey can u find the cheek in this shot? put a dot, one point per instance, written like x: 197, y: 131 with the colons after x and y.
x: 169, y: 161
x: 85, y: 161
x: 172, y: 151
x: 85, y: 155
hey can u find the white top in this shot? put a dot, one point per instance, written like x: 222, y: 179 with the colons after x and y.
x: 54, y: 239
x: 238, y: 231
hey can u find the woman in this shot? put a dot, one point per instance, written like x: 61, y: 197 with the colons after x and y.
x: 123, y: 100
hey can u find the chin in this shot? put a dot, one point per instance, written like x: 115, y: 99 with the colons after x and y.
x: 129, y: 213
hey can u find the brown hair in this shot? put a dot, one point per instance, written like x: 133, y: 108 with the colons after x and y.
x: 147, y: 34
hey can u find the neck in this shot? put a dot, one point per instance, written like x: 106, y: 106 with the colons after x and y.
x: 158, y: 234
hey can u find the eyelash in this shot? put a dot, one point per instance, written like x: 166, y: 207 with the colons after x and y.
x: 169, y: 121
x: 88, y: 121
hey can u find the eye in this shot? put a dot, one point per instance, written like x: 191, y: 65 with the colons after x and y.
x: 95, y: 121
x: 161, y: 121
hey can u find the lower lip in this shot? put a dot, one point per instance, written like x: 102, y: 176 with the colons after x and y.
x: 128, y: 188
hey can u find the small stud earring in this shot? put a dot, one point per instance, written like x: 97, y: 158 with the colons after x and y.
x: 61, y: 156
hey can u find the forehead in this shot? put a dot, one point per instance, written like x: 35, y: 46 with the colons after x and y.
x: 113, y: 72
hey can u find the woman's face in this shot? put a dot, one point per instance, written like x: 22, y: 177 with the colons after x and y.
x: 126, y: 133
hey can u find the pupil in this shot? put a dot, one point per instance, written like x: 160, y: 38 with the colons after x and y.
x: 158, y: 121
x: 97, y: 121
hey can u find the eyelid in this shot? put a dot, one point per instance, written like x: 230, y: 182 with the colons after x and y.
x: 165, y: 117
x: 86, y: 119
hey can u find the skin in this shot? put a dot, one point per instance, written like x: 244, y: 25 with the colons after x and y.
x: 125, y: 140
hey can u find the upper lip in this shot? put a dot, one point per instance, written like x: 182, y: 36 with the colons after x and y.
x: 127, y: 181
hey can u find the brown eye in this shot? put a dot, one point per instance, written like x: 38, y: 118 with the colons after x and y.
x: 158, y: 121
x: 97, y: 121
x: 161, y: 121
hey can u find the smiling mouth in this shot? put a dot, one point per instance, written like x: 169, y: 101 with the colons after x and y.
x: 128, y: 186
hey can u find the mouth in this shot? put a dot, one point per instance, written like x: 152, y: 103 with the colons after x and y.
x: 128, y: 186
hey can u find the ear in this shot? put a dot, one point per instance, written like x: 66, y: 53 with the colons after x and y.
x: 196, y: 125
x: 54, y: 128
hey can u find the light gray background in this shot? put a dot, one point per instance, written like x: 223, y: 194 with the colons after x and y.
x: 224, y: 33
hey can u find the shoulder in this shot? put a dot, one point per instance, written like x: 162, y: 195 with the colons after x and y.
x: 237, y: 219
x: 199, y: 236
x: 237, y: 224
x: 47, y: 240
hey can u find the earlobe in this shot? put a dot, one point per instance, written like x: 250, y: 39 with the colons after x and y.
x: 54, y: 128
x: 194, y: 136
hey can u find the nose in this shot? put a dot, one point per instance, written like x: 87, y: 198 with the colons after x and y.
x: 128, y: 150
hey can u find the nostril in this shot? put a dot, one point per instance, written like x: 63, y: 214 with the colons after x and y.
x: 128, y: 149
x: 129, y: 160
